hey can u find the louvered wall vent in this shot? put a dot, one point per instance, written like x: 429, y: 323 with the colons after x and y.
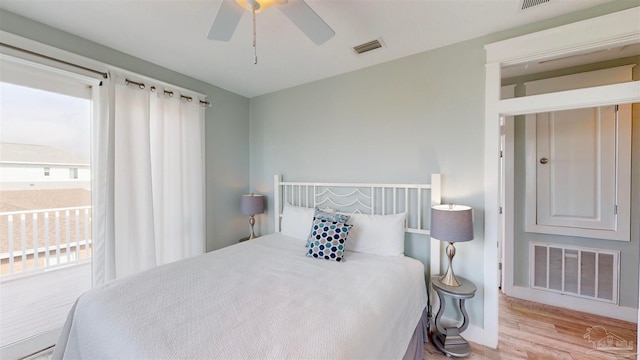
x: 525, y: 4
x: 577, y: 271
x: 371, y: 45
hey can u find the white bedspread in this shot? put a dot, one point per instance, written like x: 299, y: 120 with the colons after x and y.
x: 257, y: 299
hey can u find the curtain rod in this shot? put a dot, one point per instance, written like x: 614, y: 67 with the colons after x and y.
x: 142, y: 85
x: 101, y: 73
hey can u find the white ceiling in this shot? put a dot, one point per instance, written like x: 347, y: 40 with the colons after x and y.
x: 173, y: 34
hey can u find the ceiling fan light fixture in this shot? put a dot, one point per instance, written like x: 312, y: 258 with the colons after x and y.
x: 298, y: 11
x: 259, y: 5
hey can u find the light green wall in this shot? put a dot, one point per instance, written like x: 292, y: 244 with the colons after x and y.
x: 227, y: 125
x: 394, y: 122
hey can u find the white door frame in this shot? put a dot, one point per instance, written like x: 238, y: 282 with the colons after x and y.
x: 607, y: 31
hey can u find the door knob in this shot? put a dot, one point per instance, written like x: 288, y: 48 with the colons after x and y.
x: 544, y: 161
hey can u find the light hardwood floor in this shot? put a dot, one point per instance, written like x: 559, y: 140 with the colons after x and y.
x: 535, y: 331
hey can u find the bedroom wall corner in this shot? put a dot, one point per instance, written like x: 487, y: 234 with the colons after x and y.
x: 227, y: 170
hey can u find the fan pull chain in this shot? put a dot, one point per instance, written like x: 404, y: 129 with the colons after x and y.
x: 255, y: 52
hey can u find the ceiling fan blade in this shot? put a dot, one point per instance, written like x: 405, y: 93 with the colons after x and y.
x: 307, y: 20
x: 226, y: 21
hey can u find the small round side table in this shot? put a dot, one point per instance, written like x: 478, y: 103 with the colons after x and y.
x: 448, y: 340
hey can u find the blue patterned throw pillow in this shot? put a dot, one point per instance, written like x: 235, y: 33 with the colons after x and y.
x: 327, y: 239
x: 325, y: 215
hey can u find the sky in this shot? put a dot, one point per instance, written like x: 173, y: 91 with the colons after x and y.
x: 33, y: 116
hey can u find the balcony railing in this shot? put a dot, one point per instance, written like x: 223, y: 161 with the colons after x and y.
x: 38, y: 240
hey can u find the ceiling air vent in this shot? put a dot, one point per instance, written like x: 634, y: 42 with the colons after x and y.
x: 371, y: 45
x: 525, y: 4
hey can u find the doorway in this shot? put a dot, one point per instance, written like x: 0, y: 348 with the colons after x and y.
x: 569, y: 195
x: 615, y: 30
x: 46, y: 241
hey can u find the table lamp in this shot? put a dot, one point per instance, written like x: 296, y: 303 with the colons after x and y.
x: 451, y: 223
x: 251, y: 204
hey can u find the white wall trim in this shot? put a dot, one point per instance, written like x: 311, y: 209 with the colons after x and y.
x: 508, y: 207
x: 576, y: 303
x: 491, y: 203
x: 616, y: 29
x: 572, y: 99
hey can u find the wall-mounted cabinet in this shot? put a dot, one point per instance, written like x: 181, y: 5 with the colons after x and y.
x: 578, y: 163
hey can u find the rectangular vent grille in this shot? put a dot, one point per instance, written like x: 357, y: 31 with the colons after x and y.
x: 576, y: 271
x: 371, y: 45
x: 525, y: 4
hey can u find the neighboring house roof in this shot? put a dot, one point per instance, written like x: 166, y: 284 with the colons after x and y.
x: 24, y: 200
x: 20, y: 200
x: 38, y: 154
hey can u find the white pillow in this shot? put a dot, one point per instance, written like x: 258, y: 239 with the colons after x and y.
x: 296, y: 221
x: 377, y: 234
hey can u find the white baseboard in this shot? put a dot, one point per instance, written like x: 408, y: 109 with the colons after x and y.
x: 575, y: 303
x: 475, y: 334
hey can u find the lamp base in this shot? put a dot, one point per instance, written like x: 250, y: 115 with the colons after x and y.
x: 449, y: 278
x: 252, y: 235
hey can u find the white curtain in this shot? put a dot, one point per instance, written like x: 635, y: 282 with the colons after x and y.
x: 155, y: 181
x: 102, y: 227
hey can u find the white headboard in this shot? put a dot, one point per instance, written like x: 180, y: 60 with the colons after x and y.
x: 414, y: 199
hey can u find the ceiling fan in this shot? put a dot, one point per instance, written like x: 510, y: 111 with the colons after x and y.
x: 230, y: 12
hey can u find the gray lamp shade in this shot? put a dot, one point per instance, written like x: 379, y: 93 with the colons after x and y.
x: 452, y: 223
x: 251, y: 204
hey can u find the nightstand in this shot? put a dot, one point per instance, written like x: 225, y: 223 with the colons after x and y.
x: 448, y: 340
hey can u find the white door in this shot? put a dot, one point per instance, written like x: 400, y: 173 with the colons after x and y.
x: 576, y: 168
x: 578, y: 163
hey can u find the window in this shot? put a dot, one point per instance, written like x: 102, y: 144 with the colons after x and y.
x: 45, y: 226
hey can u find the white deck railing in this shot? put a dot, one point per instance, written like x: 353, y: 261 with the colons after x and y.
x: 43, y: 239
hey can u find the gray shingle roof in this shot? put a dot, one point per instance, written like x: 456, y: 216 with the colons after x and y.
x: 39, y: 154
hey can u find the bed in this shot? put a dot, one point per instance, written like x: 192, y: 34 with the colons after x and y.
x: 273, y: 297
